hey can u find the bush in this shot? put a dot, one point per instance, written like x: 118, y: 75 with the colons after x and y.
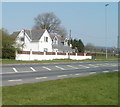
x: 8, y: 53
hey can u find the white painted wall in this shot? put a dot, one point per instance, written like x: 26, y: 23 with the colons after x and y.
x: 80, y: 57
x: 49, y: 57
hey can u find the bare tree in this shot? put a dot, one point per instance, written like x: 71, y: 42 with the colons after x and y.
x: 50, y: 22
x: 61, y: 31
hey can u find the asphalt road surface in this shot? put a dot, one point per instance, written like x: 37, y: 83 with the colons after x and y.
x: 31, y: 73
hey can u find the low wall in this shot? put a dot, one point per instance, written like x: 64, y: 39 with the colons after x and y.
x: 27, y: 55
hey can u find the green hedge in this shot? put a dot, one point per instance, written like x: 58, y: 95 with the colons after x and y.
x: 8, y: 53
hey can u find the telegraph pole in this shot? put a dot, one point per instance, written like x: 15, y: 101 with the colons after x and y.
x: 118, y: 45
x: 70, y: 35
x: 106, y: 27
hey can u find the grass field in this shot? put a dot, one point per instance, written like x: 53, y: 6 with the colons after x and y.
x: 99, y: 89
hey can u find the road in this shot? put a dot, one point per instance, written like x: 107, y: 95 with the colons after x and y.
x: 31, y: 73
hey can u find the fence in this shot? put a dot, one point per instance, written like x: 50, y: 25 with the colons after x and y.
x: 33, y: 55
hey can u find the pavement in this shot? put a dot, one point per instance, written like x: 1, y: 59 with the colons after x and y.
x: 15, y: 74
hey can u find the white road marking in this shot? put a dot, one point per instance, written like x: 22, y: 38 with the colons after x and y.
x: 41, y: 77
x: 115, y: 70
x: 70, y: 74
x: 72, y: 67
x: 60, y: 67
x: 25, y: 71
x: 83, y: 66
x: 114, y: 65
x: 77, y: 74
x: 99, y: 64
x: 7, y: 73
x: 15, y: 69
x: 47, y: 68
x: 17, y: 72
x: 92, y: 72
x: 92, y: 65
x: 56, y: 63
x: 62, y: 75
x: 107, y: 63
x: 32, y: 69
x: 105, y: 71
x: 15, y: 80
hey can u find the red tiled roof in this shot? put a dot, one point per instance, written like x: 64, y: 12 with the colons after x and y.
x: 52, y: 35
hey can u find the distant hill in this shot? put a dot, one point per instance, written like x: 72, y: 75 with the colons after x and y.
x: 103, y: 47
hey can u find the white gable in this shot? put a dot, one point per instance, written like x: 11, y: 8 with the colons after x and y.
x: 45, y: 44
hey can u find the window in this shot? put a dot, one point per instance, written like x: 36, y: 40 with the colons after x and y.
x: 45, y: 49
x: 46, y: 39
x: 65, y: 42
x: 22, y: 39
x: 55, y: 41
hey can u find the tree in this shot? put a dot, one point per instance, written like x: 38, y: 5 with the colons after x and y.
x: 77, y: 45
x: 8, y: 50
x: 50, y: 22
x: 80, y: 46
x: 0, y: 43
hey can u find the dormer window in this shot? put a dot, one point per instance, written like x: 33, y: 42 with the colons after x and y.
x: 55, y: 41
x: 66, y: 42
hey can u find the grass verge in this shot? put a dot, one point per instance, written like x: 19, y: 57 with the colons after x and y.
x: 12, y: 61
x: 99, y: 89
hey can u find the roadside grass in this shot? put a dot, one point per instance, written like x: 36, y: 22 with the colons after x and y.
x: 13, y: 61
x: 99, y: 89
x: 0, y: 96
x: 104, y: 57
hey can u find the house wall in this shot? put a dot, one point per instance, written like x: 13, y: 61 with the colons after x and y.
x: 18, y: 41
x: 30, y: 45
x: 35, y: 45
x: 43, y: 44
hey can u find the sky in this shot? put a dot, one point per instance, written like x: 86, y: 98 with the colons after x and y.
x: 86, y: 20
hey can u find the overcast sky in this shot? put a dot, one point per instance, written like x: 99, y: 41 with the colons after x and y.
x: 85, y: 19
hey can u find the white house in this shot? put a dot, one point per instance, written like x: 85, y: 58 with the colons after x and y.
x: 60, y: 44
x: 41, y: 40
x: 35, y: 40
x: 40, y: 45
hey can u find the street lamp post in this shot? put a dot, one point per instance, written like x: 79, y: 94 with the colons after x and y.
x: 106, y: 27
